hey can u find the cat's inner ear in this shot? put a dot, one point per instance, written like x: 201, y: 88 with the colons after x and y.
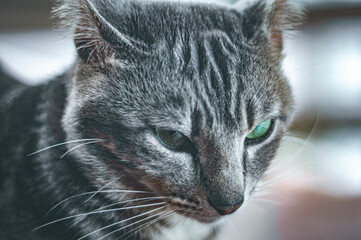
x: 95, y: 38
x: 89, y: 34
x: 285, y: 15
x: 271, y: 19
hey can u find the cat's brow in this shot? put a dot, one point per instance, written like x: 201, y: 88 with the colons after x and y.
x: 250, y: 115
x: 196, y: 123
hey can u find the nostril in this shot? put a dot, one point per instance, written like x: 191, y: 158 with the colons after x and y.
x: 228, y: 209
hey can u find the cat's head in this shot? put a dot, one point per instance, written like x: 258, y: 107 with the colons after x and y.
x: 188, y: 98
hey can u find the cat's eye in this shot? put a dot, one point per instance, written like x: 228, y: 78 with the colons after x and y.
x: 170, y: 138
x: 261, y: 131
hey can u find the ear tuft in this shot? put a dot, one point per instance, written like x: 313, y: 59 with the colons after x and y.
x: 284, y: 16
x: 271, y: 19
x: 88, y: 29
x: 89, y: 35
x: 95, y: 38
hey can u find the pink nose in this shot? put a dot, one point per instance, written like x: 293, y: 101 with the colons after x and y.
x: 228, y: 209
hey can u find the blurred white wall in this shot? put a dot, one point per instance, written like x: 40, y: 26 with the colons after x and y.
x: 324, y: 66
x: 36, y: 56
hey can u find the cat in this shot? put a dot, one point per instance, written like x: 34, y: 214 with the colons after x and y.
x: 162, y: 127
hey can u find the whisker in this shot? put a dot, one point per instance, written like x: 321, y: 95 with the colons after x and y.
x: 266, y: 200
x: 132, y: 200
x: 106, y: 185
x: 301, y: 141
x: 262, y: 191
x: 310, y: 135
x: 61, y: 144
x: 116, y: 223
x: 307, y: 66
x: 280, y: 170
x: 142, y: 200
x: 283, y: 176
x: 256, y: 209
x: 126, y: 226
x: 92, y: 192
x: 97, y: 212
x: 167, y: 223
x: 96, y: 141
x: 145, y: 225
x: 123, y: 202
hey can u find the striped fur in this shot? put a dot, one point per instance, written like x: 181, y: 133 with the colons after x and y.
x: 210, y: 71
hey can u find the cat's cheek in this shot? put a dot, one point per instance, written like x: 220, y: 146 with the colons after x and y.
x: 259, y: 157
x: 172, y: 175
x: 258, y: 168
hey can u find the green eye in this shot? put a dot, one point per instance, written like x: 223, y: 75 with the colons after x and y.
x: 171, y: 139
x: 260, y: 130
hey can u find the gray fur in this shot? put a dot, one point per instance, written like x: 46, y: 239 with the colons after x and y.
x: 209, y: 71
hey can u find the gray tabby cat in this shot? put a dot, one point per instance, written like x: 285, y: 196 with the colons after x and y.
x: 164, y: 125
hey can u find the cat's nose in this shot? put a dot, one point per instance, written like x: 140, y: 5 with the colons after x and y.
x: 227, y: 210
x: 224, y: 208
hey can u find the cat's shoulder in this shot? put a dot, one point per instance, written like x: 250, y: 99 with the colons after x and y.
x: 7, y: 81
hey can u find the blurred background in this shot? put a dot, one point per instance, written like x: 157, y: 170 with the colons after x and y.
x: 313, y: 189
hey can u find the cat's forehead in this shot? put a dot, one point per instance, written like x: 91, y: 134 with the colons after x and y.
x: 210, y: 92
x: 209, y: 74
x: 150, y: 21
x: 199, y: 59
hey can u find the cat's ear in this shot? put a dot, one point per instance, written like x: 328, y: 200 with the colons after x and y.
x: 272, y: 19
x: 90, y: 34
x: 95, y: 38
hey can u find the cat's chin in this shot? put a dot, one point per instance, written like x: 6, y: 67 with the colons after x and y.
x: 202, y: 217
x: 185, y: 227
x: 206, y: 220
